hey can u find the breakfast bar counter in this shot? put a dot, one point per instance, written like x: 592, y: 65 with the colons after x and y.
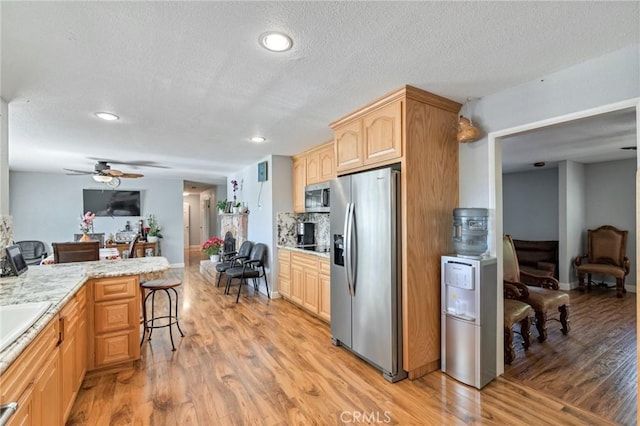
x: 57, y: 284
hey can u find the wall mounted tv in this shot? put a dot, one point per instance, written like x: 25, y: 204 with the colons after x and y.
x: 111, y: 203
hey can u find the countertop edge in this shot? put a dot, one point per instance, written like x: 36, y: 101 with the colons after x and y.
x: 325, y: 255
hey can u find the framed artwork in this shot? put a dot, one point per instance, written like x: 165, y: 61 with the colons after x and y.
x: 262, y: 172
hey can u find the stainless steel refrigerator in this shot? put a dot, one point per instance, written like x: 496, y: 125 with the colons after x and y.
x: 366, y: 314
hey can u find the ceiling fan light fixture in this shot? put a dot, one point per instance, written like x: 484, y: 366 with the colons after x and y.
x: 102, y: 178
x: 275, y: 41
x: 258, y: 139
x: 107, y: 116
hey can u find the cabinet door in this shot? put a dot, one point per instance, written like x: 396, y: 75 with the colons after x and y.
x: 348, y: 146
x: 324, y: 291
x: 46, y: 393
x: 24, y: 413
x: 117, y: 347
x: 313, y: 168
x: 310, y: 292
x: 327, y: 163
x: 382, y: 130
x: 299, y: 182
x: 81, y: 347
x: 68, y: 355
x: 297, y: 283
x: 115, y: 315
x: 284, y: 273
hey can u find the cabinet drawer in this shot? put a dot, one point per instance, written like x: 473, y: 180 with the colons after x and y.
x: 325, y: 269
x: 115, y: 288
x: 115, y: 315
x: 113, y: 348
x: 305, y: 260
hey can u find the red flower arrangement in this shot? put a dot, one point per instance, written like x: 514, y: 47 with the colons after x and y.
x: 212, y: 246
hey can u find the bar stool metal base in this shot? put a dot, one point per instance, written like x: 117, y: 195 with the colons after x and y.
x: 167, y: 320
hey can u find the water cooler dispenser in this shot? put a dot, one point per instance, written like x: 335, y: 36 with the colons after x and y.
x: 469, y: 291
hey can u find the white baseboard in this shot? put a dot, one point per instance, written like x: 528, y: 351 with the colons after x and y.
x: 176, y: 265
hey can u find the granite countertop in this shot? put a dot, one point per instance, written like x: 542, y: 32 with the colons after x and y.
x: 59, y: 283
x: 324, y: 254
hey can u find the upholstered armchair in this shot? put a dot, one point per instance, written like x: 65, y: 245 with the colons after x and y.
x: 606, y: 255
x: 543, y: 295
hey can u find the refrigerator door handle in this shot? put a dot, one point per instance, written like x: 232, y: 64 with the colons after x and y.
x: 353, y: 245
x: 347, y: 246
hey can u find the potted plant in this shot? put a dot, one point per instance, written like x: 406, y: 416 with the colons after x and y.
x: 86, y: 225
x: 236, y: 207
x: 212, y: 247
x: 222, y: 206
x: 154, y: 229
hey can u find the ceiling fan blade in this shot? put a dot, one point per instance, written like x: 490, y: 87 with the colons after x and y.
x: 112, y: 172
x: 131, y: 175
x: 141, y: 163
x: 78, y: 172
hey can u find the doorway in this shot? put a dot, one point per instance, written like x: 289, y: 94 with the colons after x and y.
x: 495, y: 141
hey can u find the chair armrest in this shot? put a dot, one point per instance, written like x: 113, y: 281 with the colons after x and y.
x: 539, y: 280
x: 516, y: 289
x: 627, y: 265
x: 579, y: 260
x: 229, y: 255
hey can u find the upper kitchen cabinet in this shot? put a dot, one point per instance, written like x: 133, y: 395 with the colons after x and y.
x: 417, y: 131
x: 299, y: 182
x: 313, y: 166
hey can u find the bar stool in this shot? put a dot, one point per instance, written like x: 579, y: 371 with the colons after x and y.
x: 152, y: 287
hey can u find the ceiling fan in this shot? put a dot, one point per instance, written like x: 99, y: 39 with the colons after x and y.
x: 103, y: 173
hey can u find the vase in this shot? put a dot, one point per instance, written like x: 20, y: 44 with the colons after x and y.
x: 214, y: 258
x: 85, y: 237
x: 236, y: 210
x: 152, y: 239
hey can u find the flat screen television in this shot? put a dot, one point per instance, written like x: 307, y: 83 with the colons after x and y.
x: 16, y: 260
x: 111, y: 203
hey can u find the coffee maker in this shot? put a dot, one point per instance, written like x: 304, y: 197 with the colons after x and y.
x: 306, y: 236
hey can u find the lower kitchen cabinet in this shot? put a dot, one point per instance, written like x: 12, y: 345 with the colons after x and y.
x: 308, y: 281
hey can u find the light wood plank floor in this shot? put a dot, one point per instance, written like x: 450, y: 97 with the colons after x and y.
x: 266, y: 362
x: 595, y: 366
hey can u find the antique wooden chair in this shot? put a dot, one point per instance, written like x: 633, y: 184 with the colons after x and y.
x: 76, y: 251
x: 543, y: 297
x: 606, y: 255
x: 515, y: 311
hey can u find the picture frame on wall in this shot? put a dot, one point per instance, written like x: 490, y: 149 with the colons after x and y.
x: 262, y: 172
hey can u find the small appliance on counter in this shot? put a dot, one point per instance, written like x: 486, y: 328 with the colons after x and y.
x: 306, y: 234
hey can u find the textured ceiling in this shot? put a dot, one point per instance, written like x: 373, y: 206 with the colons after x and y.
x: 191, y: 84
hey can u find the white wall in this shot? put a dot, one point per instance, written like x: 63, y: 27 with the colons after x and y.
x: 264, y: 200
x: 4, y: 158
x: 572, y: 220
x: 530, y: 204
x: 601, y: 81
x: 47, y: 207
x: 611, y: 200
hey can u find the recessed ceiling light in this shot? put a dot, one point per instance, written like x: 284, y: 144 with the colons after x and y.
x: 630, y: 148
x: 107, y: 116
x: 258, y: 139
x: 275, y: 41
x: 539, y: 164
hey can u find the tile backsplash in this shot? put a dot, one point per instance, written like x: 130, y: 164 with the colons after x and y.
x: 287, y: 232
x: 6, y: 233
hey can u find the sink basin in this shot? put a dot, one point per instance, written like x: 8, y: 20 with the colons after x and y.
x: 16, y: 319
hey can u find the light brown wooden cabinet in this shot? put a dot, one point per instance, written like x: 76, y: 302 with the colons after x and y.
x: 417, y: 131
x: 34, y: 380
x: 372, y: 138
x: 284, y: 273
x: 313, y: 166
x: 310, y: 282
x: 114, y: 326
x: 299, y: 182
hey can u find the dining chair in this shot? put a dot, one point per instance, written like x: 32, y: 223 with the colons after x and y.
x: 76, y: 251
x: 253, y: 268
x: 33, y: 251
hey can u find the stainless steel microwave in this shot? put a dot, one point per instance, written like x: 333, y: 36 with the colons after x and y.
x: 316, y: 198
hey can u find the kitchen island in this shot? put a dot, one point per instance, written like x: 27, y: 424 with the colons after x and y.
x: 92, y: 324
